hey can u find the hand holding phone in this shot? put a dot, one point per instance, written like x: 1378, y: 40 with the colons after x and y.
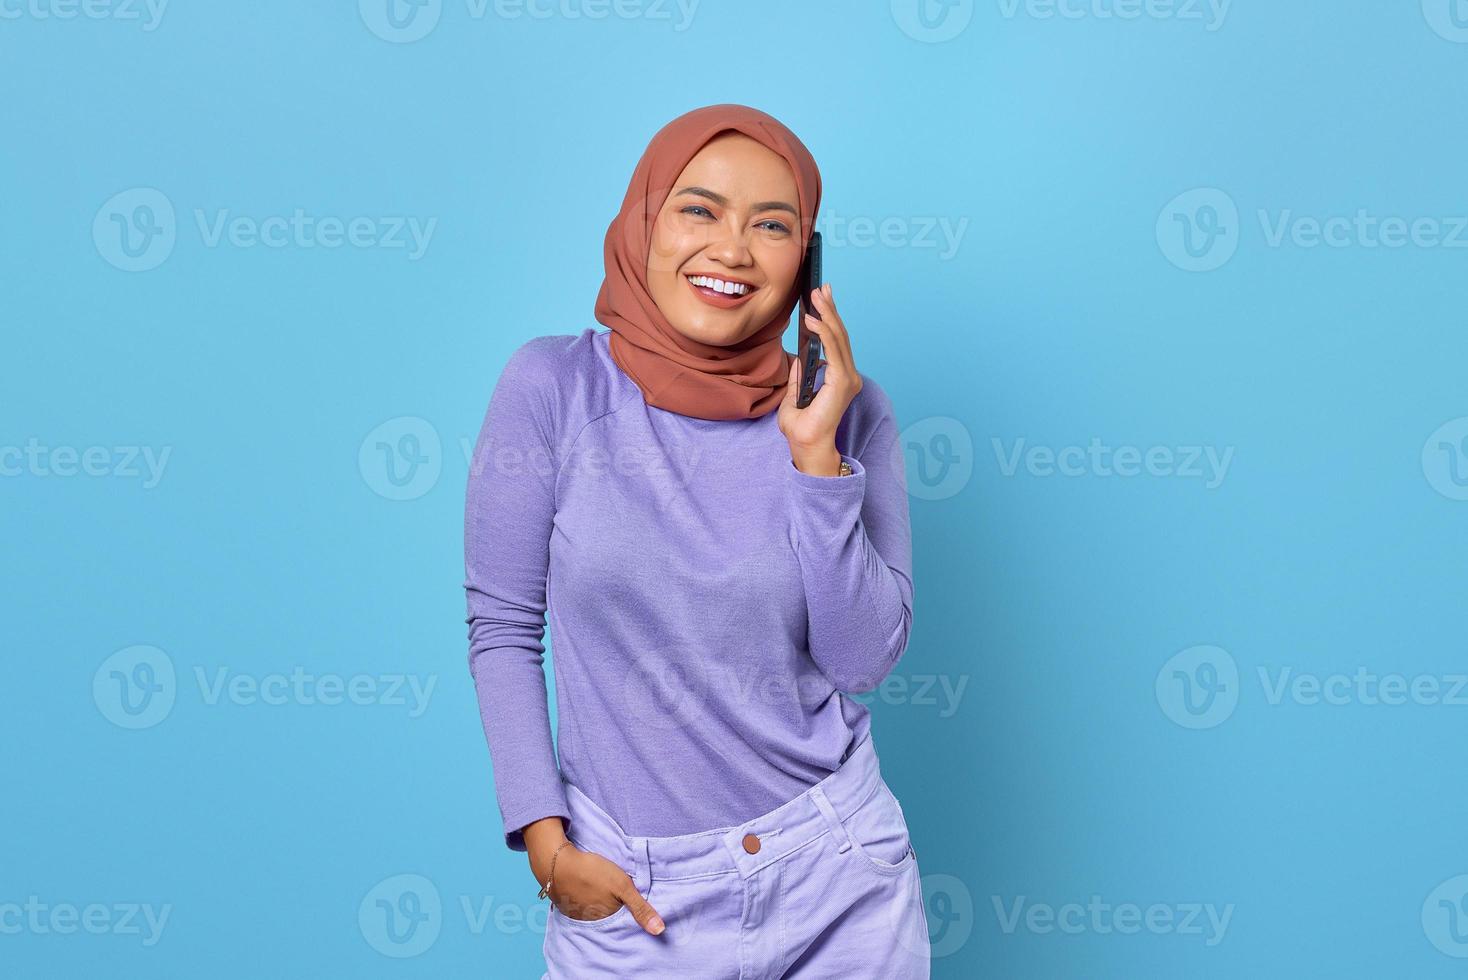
x: 809, y: 419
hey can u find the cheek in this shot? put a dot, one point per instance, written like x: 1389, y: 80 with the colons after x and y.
x: 671, y: 245
x: 782, y: 265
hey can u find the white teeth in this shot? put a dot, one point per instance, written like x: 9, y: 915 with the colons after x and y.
x: 719, y: 285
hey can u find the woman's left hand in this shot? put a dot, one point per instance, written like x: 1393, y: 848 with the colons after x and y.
x: 811, y: 431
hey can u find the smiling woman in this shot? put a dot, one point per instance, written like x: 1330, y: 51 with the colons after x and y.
x: 729, y: 573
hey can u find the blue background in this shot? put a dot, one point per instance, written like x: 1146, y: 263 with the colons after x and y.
x: 1080, y: 759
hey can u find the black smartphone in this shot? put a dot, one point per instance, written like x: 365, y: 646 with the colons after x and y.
x: 807, y: 344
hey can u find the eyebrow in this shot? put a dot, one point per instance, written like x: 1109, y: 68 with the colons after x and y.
x: 723, y: 201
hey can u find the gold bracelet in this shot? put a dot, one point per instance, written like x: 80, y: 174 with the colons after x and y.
x: 545, y: 889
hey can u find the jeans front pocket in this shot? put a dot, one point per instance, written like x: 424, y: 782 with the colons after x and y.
x: 579, y: 948
x: 878, y: 833
x: 605, y: 922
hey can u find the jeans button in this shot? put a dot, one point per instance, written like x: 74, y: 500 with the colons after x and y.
x: 751, y: 843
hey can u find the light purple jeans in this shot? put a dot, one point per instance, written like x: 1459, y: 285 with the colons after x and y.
x: 831, y: 889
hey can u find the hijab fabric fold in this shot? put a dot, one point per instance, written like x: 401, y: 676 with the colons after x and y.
x: 676, y: 373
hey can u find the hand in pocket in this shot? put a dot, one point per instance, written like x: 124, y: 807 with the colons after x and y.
x: 587, y: 887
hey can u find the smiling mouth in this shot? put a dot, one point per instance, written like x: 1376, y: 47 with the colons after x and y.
x: 723, y: 293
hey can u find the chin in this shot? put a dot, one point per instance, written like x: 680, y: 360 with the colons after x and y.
x: 717, y: 331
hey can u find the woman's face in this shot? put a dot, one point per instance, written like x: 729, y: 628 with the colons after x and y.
x: 733, y: 216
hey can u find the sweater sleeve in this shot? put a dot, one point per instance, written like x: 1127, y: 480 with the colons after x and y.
x: 853, y: 540
x: 509, y: 507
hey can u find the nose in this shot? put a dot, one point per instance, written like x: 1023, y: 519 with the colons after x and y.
x: 729, y: 246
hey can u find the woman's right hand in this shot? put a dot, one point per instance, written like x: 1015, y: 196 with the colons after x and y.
x: 587, y: 886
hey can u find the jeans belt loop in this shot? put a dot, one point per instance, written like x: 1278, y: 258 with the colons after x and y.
x: 641, y: 864
x: 838, y: 832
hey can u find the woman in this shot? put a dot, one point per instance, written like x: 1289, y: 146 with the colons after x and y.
x: 717, y: 584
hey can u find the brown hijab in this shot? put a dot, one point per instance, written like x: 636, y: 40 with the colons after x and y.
x: 740, y: 381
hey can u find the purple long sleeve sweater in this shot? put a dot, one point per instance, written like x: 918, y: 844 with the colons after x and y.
x: 711, y: 607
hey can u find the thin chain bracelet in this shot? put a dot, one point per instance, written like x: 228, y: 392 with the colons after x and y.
x: 545, y: 889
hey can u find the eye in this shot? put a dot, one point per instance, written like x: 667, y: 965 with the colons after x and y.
x: 692, y: 208
x: 776, y: 226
